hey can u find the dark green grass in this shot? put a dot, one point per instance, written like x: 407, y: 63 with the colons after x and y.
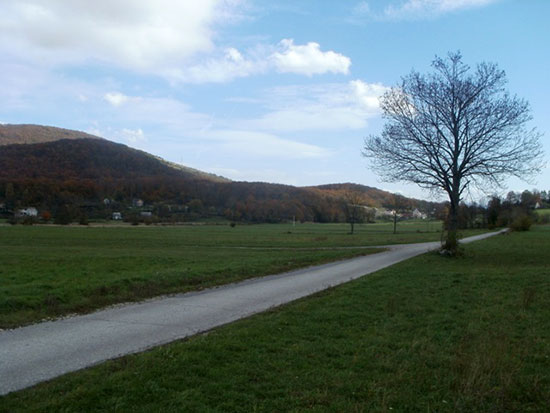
x: 49, y: 271
x: 430, y: 334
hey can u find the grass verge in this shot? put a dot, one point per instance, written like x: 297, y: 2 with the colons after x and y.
x: 429, y: 334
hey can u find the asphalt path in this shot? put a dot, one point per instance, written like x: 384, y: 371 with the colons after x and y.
x: 39, y: 352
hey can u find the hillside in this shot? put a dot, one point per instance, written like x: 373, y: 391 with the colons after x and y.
x: 78, y: 159
x: 27, y: 134
x: 370, y: 196
x: 98, y: 176
x: 86, y: 156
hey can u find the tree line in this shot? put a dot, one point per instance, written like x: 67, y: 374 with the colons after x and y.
x: 172, y: 199
x: 516, y: 210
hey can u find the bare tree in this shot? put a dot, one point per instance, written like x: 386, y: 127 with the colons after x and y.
x: 453, y: 128
x: 400, y: 204
x: 353, y: 208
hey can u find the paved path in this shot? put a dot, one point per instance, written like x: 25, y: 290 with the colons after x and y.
x: 39, y: 352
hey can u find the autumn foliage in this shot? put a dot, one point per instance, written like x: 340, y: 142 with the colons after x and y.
x: 95, y: 177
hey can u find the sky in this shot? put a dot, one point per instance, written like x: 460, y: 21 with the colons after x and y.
x: 256, y: 90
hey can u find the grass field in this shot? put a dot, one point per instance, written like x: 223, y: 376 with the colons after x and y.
x: 49, y: 271
x: 429, y: 334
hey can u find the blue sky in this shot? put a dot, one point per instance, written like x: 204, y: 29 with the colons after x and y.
x: 275, y: 91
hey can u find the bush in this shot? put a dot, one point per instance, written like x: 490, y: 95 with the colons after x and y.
x: 521, y: 223
x: 63, y: 216
x: 46, y: 216
x: 150, y: 220
x: 83, y: 219
x: 28, y: 220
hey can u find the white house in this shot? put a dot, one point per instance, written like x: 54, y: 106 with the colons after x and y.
x: 384, y: 213
x: 117, y: 216
x: 416, y: 214
x: 28, y: 212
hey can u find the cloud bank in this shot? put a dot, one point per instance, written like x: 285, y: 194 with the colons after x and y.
x: 286, y: 57
x: 172, y: 39
x: 322, y: 107
x: 130, y: 33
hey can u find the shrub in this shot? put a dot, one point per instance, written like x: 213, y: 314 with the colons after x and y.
x: 27, y: 220
x: 46, y: 216
x: 63, y: 215
x: 83, y: 219
x: 521, y: 223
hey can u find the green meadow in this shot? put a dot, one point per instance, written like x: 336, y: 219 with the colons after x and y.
x: 49, y: 271
x: 429, y: 334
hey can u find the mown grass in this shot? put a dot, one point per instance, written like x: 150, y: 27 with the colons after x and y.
x: 430, y: 334
x: 49, y: 271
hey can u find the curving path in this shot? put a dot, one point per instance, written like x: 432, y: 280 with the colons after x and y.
x: 29, y: 355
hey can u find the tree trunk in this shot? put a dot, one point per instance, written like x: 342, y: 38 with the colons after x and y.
x: 451, y: 243
x: 395, y: 223
x: 352, y: 224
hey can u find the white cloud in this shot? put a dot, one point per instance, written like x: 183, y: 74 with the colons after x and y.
x: 94, y: 130
x: 430, y: 8
x: 133, y: 136
x: 174, y: 39
x: 165, y: 113
x: 308, y: 59
x: 140, y: 34
x: 20, y: 83
x: 115, y: 98
x: 175, y: 122
x: 367, y: 95
x: 320, y: 107
x: 287, y: 57
x: 221, y: 69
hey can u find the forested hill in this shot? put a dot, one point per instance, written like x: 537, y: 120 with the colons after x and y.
x: 62, y: 153
x: 84, y: 158
x: 102, y: 176
x: 14, y: 134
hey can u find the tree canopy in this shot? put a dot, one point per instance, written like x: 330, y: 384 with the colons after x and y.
x: 454, y: 128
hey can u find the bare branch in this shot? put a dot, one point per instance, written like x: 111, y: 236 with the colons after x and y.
x: 453, y: 128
